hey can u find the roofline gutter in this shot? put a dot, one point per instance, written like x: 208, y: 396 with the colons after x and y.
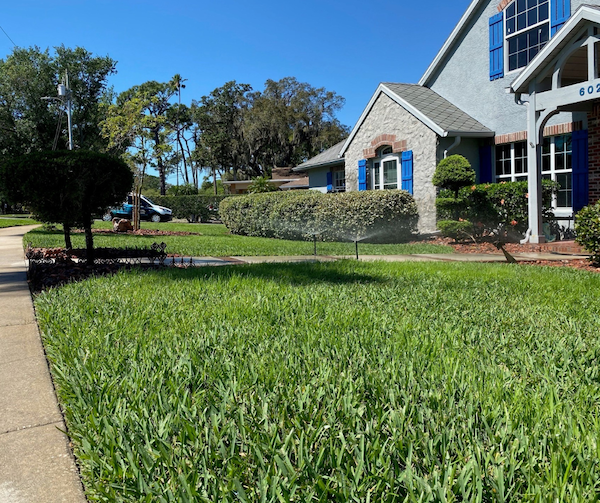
x: 320, y: 165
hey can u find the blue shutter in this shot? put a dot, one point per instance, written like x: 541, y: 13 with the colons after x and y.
x: 581, y: 183
x: 329, y: 181
x: 496, y: 46
x: 560, y: 11
x: 362, y: 175
x: 407, y: 171
x: 486, y: 173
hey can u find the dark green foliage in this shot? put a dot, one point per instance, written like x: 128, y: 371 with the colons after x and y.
x: 193, y: 208
x: 261, y: 184
x: 67, y: 187
x: 455, y: 229
x: 587, y: 227
x: 453, y: 173
x: 28, y: 123
x: 493, y: 208
x: 376, y: 216
x: 187, y: 189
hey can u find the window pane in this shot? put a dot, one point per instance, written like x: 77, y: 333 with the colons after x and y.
x: 565, y: 194
x: 546, y: 162
x: 522, y: 59
x: 544, y: 34
x: 543, y: 12
x: 376, y: 174
x: 510, y: 26
x: 546, y: 146
x: 510, y: 12
x: 522, y: 41
x: 521, y: 5
x: 512, y: 63
x: 532, y: 17
x: 521, y: 21
x: 390, y: 172
x: 559, y: 162
x: 559, y: 143
x: 519, y: 166
x: 534, y: 38
x: 531, y: 3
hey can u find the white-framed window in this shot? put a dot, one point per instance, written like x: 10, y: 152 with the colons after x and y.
x: 511, y: 162
x: 384, y: 170
x: 526, y: 31
x: 339, y: 180
x: 557, y: 165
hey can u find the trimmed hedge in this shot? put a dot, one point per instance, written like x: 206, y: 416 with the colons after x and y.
x: 373, y: 216
x: 493, y: 207
x: 587, y: 227
x: 194, y: 208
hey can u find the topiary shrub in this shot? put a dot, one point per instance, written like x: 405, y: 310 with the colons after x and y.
x: 453, y: 173
x: 587, y: 227
x: 381, y: 216
x: 499, y: 209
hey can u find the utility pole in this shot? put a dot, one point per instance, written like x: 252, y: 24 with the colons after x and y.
x: 65, y: 97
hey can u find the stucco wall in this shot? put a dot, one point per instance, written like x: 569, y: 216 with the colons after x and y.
x: 464, y: 77
x: 387, y: 117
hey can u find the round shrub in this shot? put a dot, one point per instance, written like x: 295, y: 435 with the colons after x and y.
x: 587, y: 227
x: 375, y: 216
x: 453, y: 173
x: 455, y: 229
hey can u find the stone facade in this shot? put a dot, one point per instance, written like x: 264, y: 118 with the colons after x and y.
x: 388, y: 118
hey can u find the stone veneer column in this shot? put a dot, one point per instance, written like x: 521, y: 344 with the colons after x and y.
x: 594, y: 153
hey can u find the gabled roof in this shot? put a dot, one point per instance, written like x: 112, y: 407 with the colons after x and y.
x: 326, y: 158
x: 437, y: 113
x: 583, y: 15
x: 464, y: 20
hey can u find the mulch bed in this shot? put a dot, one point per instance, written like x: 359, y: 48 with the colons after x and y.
x: 512, y: 248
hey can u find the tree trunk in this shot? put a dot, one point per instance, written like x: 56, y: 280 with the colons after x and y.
x: 89, y: 244
x: 67, y: 234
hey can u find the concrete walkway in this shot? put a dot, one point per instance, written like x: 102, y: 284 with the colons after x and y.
x: 36, y: 464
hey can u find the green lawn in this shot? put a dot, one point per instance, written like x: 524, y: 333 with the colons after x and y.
x: 331, y: 382
x: 12, y: 221
x: 215, y: 241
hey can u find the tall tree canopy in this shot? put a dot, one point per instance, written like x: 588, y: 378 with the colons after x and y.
x: 139, y: 121
x: 246, y: 133
x: 28, y: 123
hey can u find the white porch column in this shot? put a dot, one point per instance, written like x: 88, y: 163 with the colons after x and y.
x: 534, y: 171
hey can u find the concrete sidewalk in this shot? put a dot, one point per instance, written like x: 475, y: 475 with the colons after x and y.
x: 36, y: 463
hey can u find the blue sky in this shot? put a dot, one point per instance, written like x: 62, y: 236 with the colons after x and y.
x: 345, y: 46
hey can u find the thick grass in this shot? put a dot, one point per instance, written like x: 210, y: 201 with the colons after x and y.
x: 331, y: 382
x: 13, y: 222
x: 215, y: 241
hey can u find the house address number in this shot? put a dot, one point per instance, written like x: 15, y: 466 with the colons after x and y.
x: 590, y: 90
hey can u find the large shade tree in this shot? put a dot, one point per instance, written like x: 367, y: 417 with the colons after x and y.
x: 67, y: 187
x: 28, y: 123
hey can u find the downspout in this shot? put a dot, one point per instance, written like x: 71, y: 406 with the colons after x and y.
x: 456, y: 143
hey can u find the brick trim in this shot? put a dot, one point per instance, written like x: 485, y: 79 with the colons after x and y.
x: 567, y: 127
x: 503, y: 4
x: 385, y: 140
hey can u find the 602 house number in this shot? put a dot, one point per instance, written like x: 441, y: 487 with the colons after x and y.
x: 590, y: 90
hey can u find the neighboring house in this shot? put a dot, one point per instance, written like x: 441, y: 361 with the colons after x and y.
x: 282, y: 178
x: 514, y: 89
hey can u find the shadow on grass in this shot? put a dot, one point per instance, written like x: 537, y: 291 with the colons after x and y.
x: 46, y: 276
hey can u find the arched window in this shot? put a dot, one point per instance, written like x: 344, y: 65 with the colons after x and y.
x: 527, y: 30
x: 384, y: 171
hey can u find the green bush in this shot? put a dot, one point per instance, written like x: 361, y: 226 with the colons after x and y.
x: 453, y: 173
x: 587, y: 227
x: 493, y: 208
x: 455, y: 229
x: 192, y: 208
x: 373, y: 216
